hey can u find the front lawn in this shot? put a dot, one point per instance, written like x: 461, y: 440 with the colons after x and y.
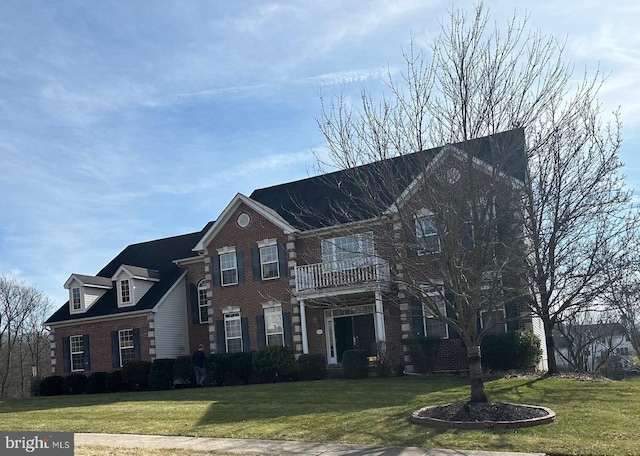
x: 594, y: 418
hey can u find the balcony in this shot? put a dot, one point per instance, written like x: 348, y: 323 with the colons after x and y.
x: 361, y: 272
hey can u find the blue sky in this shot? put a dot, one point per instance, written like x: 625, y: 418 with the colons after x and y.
x: 122, y: 122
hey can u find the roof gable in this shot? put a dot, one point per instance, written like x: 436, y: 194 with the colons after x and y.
x: 89, y: 281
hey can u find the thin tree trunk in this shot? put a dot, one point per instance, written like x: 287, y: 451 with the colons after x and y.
x: 551, y: 349
x: 475, y: 375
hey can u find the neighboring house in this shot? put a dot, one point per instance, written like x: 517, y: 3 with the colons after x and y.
x: 283, y: 266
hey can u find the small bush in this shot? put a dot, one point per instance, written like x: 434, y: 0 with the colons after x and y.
x: 136, y: 374
x: 74, y: 384
x: 239, y: 368
x: 97, y: 383
x: 272, y: 364
x: 355, y: 364
x: 114, y: 382
x: 217, y: 368
x: 312, y: 366
x: 51, y: 386
x: 511, y: 350
x: 423, y: 352
x: 182, y: 370
x: 161, y: 374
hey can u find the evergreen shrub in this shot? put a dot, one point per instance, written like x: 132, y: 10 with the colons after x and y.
x: 136, y: 374
x: 273, y: 364
x: 161, y: 374
x: 355, y: 364
x: 423, y: 352
x: 51, y: 386
x: 74, y: 384
x: 312, y: 366
x: 97, y: 383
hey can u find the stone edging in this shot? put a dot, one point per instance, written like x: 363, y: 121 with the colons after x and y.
x: 435, y: 422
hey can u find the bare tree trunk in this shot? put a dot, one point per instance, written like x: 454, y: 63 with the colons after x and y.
x: 475, y: 375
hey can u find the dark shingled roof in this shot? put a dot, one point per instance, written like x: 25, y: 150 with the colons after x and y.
x: 334, y: 197
x: 157, y: 255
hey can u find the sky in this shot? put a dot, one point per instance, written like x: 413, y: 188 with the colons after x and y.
x: 123, y: 122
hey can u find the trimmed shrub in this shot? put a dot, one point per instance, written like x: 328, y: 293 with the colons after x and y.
x: 239, y: 368
x: 355, y: 364
x: 51, y: 386
x: 74, y: 384
x: 136, y: 374
x: 511, y: 350
x: 161, y: 374
x: 182, y: 370
x: 97, y: 383
x: 273, y: 364
x: 423, y: 352
x: 312, y: 366
x: 217, y: 368
x: 114, y: 382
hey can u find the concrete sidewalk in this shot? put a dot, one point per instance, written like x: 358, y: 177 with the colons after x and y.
x: 270, y: 447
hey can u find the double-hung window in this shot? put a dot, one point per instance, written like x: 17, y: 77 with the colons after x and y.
x: 427, y: 231
x: 269, y: 262
x: 494, y: 320
x: 274, y: 327
x: 203, y: 301
x: 434, y: 296
x: 348, y: 252
x: 228, y: 269
x: 125, y: 291
x: 76, y: 299
x: 233, y: 332
x: 76, y: 350
x: 126, y: 346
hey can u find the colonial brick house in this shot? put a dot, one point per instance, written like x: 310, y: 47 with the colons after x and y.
x: 297, y: 264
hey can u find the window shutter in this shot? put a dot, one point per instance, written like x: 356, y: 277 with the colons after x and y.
x: 240, y: 262
x: 503, y: 222
x: 417, y: 316
x: 245, y: 334
x: 286, y: 325
x: 215, y: 270
x: 453, y: 334
x: 222, y: 343
x: 136, y: 344
x: 412, y: 250
x: 282, y: 258
x: 262, y: 333
x: 255, y: 263
x: 511, y: 312
x: 195, y: 310
x: 87, y: 355
x: 115, y: 350
x: 66, y: 354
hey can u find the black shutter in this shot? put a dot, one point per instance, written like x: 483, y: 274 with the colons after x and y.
x: 286, y: 324
x: 282, y: 259
x: 115, y: 350
x: 453, y: 334
x: 262, y: 333
x: 136, y: 344
x: 222, y: 343
x: 255, y: 263
x: 215, y: 270
x: 245, y: 334
x: 66, y: 354
x: 412, y: 242
x: 503, y: 222
x: 417, y: 316
x: 87, y: 356
x: 195, y: 309
x: 511, y: 312
x: 240, y: 262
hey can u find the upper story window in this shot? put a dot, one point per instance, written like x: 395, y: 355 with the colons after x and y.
x: 233, y: 332
x: 203, y: 301
x: 125, y: 291
x: 427, y: 231
x: 432, y: 326
x: 494, y: 321
x: 228, y: 269
x: 76, y: 299
x: 348, y: 252
x: 76, y: 349
x: 269, y: 262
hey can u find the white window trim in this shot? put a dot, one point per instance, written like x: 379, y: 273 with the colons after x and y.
x: 434, y: 291
x: 494, y: 329
x: 273, y: 310
x: 203, y: 286
x: 120, y: 347
x: 331, y: 253
x: 420, y: 235
x: 235, y: 268
x: 71, y: 352
x: 80, y: 299
x: 228, y: 317
x: 121, y: 301
x: 262, y: 264
x: 267, y: 242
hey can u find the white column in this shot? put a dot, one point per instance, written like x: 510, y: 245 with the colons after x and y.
x: 303, y: 328
x: 380, y: 332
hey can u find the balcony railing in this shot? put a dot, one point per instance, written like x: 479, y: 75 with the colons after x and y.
x: 339, y: 274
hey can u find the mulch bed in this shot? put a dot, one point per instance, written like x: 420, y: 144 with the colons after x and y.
x: 482, y: 411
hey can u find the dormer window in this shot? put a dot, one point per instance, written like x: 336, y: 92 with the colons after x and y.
x: 125, y: 291
x: 76, y: 299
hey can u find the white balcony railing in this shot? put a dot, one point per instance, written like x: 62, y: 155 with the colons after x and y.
x: 330, y: 275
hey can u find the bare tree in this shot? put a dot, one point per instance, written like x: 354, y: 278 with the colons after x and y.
x: 20, y: 303
x: 477, y: 81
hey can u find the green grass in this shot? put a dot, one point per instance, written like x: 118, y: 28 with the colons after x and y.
x: 594, y: 418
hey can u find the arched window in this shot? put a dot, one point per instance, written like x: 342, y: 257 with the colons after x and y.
x: 203, y: 301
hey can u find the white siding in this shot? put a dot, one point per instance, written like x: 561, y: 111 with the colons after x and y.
x: 171, y: 325
x: 140, y: 287
x: 538, y: 330
x: 91, y: 295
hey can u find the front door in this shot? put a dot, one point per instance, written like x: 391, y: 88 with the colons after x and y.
x: 355, y: 332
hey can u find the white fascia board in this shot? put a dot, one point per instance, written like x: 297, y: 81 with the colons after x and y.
x: 119, y: 316
x: 190, y: 260
x: 228, y: 211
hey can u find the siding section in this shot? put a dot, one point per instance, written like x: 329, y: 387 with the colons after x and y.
x: 171, y: 325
